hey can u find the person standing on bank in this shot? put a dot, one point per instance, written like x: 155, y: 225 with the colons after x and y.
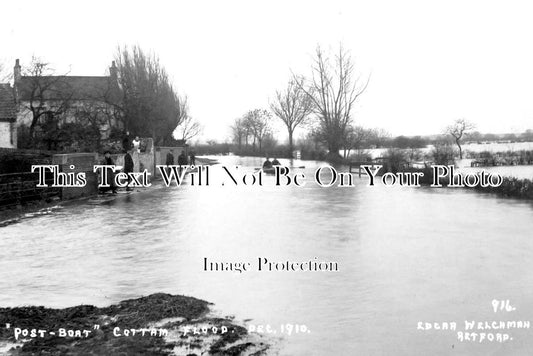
x: 182, y: 160
x: 126, y: 141
x: 108, y: 161
x: 128, y: 168
x: 135, y: 153
x: 137, y: 144
x: 192, y: 158
x: 170, y: 160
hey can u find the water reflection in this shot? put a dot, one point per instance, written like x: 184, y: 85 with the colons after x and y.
x: 405, y: 254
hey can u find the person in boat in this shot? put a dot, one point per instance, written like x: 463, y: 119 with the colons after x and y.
x: 275, y: 162
x: 267, y: 164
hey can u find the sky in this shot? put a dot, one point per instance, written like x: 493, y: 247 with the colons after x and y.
x: 429, y: 62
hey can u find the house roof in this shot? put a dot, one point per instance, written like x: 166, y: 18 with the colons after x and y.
x: 8, y: 110
x: 68, y: 88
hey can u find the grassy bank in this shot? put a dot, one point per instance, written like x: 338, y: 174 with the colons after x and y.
x: 512, y: 187
x: 156, y: 313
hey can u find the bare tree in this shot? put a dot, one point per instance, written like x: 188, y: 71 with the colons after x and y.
x: 356, y: 137
x: 258, y: 122
x: 248, y: 131
x: 94, y: 117
x: 333, y: 88
x: 379, y: 137
x: 292, y: 106
x: 239, y: 131
x: 48, y: 95
x: 457, y: 130
x: 189, y: 128
x: 183, y: 109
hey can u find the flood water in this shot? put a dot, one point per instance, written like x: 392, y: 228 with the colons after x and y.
x: 404, y: 254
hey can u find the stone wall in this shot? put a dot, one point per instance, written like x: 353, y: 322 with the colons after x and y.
x: 78, y: 162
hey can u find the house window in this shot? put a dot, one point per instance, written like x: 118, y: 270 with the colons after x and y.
x: 12, y: 133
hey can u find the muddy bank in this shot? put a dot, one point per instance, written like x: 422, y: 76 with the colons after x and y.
x: 160, y: 324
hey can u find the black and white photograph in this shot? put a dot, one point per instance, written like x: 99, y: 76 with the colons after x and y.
x: 275, y: 178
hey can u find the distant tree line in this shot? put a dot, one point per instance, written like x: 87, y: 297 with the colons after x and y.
x: 475, y: 136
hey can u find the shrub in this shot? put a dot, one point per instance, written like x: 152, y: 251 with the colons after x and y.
x: 512, y: 187
x: 443, y: 153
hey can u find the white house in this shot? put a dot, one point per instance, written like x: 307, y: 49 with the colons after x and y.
x: 8, y: 117
x: 89, y: 100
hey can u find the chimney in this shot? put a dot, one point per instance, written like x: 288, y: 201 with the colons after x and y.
x: 113, y: 72
x: 16, y: 72
x: 16, y: 79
